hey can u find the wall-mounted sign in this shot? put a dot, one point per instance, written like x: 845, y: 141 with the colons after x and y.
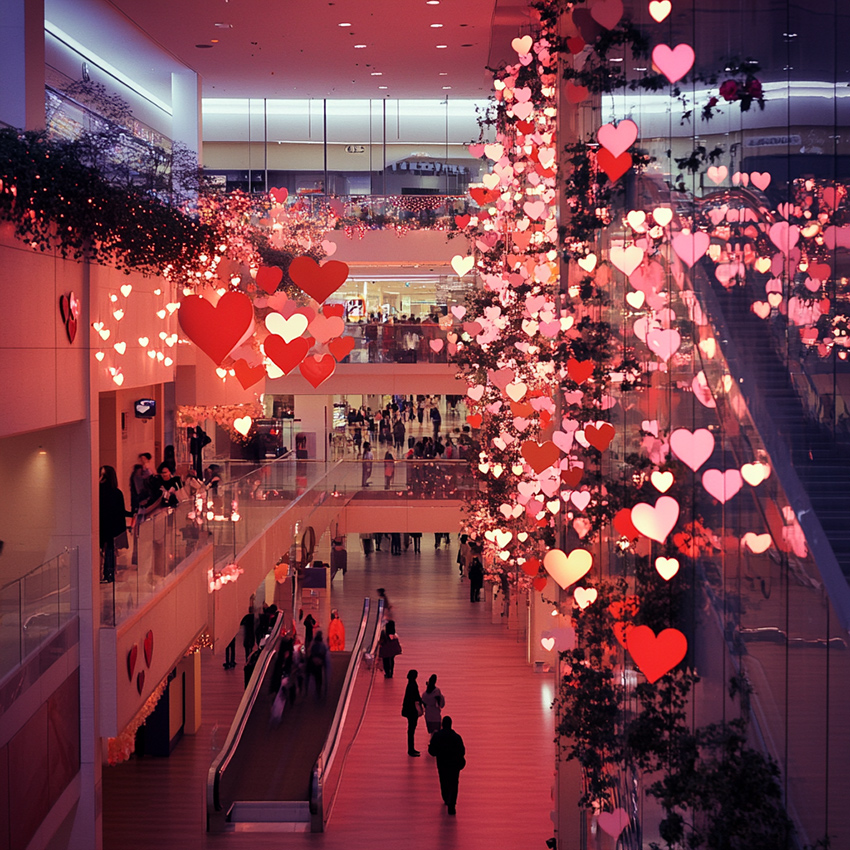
x: 355, y: 148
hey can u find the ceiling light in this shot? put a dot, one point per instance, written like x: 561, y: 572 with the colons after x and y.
x: 432, y: 2
x: 446, y: 87
x: 377, y: 73
x: 442, y: 46
x: 444, y: 73
x: 213, y: 41
x: 435, y: 26
x: 344, y: 25
x: 359, y: 46
x: 382, y: 87
x: 222, y: 26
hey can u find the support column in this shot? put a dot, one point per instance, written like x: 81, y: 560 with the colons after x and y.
x: 186, y: 91
x: 22, y: 63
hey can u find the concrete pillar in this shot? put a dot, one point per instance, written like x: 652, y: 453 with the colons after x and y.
x: 22, y: 63
x: 191, y: 668
x: 186, y: 90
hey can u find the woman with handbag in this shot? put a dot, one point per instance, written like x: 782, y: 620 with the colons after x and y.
x: 388, y: 647
x: 412, y: 708
x: 434, y: 702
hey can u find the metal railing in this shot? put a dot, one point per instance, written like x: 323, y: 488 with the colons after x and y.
x: 324, y: 780
x: 34, y: 607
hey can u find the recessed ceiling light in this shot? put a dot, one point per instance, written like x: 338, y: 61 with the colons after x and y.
x: 213, y: 41
x: 359, y: 46
x: 344, y: 25
x: 432, y: 2
x: 223, y: 26
x: 442, y: 46
x: 444, y: 73
x: 446, y: 87
x: 382, y: 87
x: 435, y: 26
x: 377, y: 73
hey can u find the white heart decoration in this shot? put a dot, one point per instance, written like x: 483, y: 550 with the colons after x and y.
x: 656, y: 522
x: 290, y: 328
x: 666, y: 567
x: 462, y: 265
x: 567, y: 569
x: 242, y: 424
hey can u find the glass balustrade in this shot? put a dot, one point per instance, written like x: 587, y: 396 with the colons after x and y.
x: 34, y: 607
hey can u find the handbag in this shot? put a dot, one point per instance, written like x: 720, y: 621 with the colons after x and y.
x: 420, y: 708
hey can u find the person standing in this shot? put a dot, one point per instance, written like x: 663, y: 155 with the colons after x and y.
x: 318, y: 665
x: 198, y: 440
x: 388, y: 608
x: 309, y: 625
x: 395, y: 543
x: 142, y: 471
x: 336, y: 632
x: 436, y: 419
x: 389, y: 470
x: 113, y: 521
x: 411, y: 709
x: 434, y: 702
x: 368, y: 457
x: 248, y: 627
x: 398, y: 434
x: 464, y: 554
x: 388, y: 647
x: 447, y: 747
x: 476, y: 576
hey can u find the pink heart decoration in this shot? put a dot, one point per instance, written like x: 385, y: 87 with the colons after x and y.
x: 617, y: 139
x: 692, y: 448
x: 784, y: 235
x: 761, y: 180
x: 717, y: 174
x: 674, y: 62
x: 663, y: 343
x: 656, y: 522
x: 613, y: 823
x: 722, y: 485
x: 689, y: 247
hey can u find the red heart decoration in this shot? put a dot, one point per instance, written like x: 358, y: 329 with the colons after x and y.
x: 132, y: 657
x: 531, y: 567
x: 656, y: 656
x: 579, y: 370
x: 623, y: 524
x: 576, y: 94
x: 268, y: 278
x: 523, y: 409
x: 475, y: 420
x: 620, y: 611
x: 279, y: 196
x: 540, y: 583
x: 483, y: 196
x: 140, y: 681
x: 614, y: 166
x: 341, y: 347
x: 216, y: 330
x: 575, y: 44
x: 540, y: 456
x: 317, y: 281
x: 318, y: 368
x: 462, y: 221
x: 148, y: 648
x: 69, y: 309
x: 330, y: 310
x: 248, y: 375
x: 287, y: 355
x: 600, y: 438
x: 571, y: 477
x: 525, y: 127
x: 821, y: 271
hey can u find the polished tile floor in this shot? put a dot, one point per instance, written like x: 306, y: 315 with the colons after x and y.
x: 386, y: 799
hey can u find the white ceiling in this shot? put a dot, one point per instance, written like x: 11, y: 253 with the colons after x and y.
x: 296, y: 48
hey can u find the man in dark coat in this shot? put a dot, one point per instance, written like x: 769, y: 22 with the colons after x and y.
x: 447, y: 747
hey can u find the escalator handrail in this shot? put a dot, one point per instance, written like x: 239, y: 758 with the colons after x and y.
x: 329, y: 749
x: 240, y: 720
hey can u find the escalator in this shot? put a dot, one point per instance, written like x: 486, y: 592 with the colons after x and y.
x: 276, y: 776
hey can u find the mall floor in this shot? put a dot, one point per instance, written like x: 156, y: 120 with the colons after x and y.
x: 387, y: 799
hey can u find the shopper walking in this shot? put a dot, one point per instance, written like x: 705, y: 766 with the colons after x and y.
x: 412, y: 708
x: 113, y: 522
x: 434, y: 702
x: 318, y: 665
x: 447, y: 747
x: 476, y: 576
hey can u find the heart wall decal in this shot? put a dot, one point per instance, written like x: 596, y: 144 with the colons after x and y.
x: 148, y: 648
x: 69, y: 309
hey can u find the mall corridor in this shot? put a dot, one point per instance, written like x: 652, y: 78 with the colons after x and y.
x: 387, y: 800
